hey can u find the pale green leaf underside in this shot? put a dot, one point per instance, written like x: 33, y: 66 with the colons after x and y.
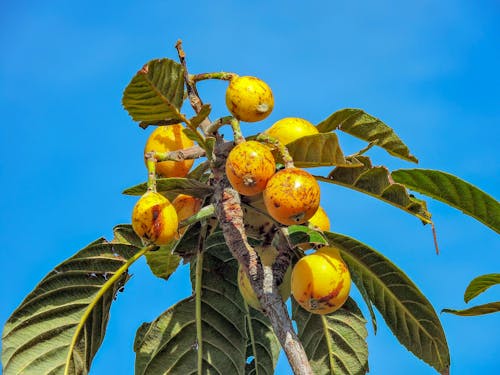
x: 155, y: 93
x: 487, y: 308
x: 38, y: 335
x: 173, y: 186
x: 377, y: 182
x: 480, y: 284
x: 453, y: 191
x: 407, y: 312
x: 317, y: 150
x: 360, y: 124
x: 169, y: 345
x: 335, y: 343
x: 264, y: 349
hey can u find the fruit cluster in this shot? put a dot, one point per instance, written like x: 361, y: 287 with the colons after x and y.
x: 319, y: 282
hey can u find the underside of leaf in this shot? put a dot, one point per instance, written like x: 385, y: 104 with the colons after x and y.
x: 377, y: 182
x: 360, y: 124
x: 407, y: 312
x: 42, y: 335
x: 453, y: 191
x: 334, y: 343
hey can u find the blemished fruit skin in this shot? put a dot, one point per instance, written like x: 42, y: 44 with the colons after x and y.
x: 170, y: 138
x: 289, y: 129
x: 249, y: 166
x: 320, y: 220
x: 267, y: 256
x: 186, y: 206
x: 321, y: 281
x: 249, y: 99
x: 154, y: 219
x: 292, y: 196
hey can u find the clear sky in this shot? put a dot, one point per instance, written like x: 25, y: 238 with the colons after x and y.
x: 67, y: 148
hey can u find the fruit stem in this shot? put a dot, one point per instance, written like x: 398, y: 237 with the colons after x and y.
x: 217, y: 124
x: 282, y: 150
x: 216, y: 75
x: 238, y: 135
x: 204, y: 213
x: 194, y: 152
x: 151, y: 165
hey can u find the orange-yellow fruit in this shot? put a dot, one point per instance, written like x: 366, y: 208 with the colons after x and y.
x: 249, y: 166
x: 154, y: 219
x: 320, y: 220
x: 249, y: 99
x: 292, y: 196
x: 186, y: 206
x: 170, y: 138
x: 267, y: 256
x: 289, y: 129
x: 321, y: 281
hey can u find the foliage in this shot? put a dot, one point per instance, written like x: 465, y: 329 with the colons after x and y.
x: 61, y: 324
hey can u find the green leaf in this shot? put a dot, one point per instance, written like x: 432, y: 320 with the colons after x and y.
x: 61, y: 324
x: 407, y: 312
x: 169, y: 344
x: 317, y: 150
x: 202, y: 115
x: 487, y: 308
x: 189, y: 243
x: 163, y: 262
x: 155, y: 93
x: 377, y: 182
x: 453, y: 191
x: 360, y: 124
x: 123, y: 233
x: 299, y: 234
x: 263, y: 347
x: 173, y: 186
x: 194, y: 136
x: 334, y: 343
x: 480, y: 284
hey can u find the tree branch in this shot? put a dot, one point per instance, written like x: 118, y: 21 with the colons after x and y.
x: 230, y: 216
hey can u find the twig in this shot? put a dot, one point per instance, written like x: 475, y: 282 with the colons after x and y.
x: 192, y: 92
x: 194, y: 152
x: 217, y: 75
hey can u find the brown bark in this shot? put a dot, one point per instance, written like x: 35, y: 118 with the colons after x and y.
x: 230, y: 216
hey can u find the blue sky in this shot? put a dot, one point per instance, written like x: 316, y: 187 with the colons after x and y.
x: 67, y: 149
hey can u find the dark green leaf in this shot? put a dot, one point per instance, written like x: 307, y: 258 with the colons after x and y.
x: 125, y: 234
x: 198, y: 173
x: 453, y: 191
x: 173, y: 186
x: 169, y: 344
x: 334, y: 343
x: 360, y: 124
x: 163, y: 262
x: 189, y: 243
x: 60, y: 325
x: 155, y: 93
x: 317, y: 150
x: 263, y: 347
x: 480, y: 284
x: 407, y: 312
x: 377, y: 182
x: 202, y: 115
x: 487, y: 308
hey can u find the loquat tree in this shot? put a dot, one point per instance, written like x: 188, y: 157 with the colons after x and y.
x: 248, y: 220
